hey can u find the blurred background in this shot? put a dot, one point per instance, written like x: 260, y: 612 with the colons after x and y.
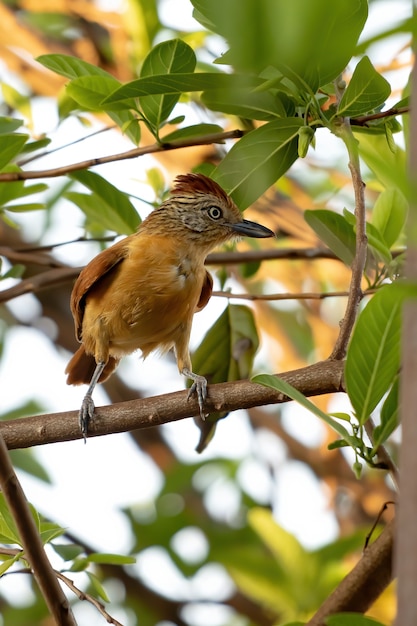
x: 198, y: 524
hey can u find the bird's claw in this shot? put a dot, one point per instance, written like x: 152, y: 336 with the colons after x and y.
x: 199, y: 388
x: 86, y: 414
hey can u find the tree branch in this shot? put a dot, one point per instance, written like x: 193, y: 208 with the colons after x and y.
x: 321, y: 378
x: 363, y: 120
x: 358, y: 265
x: 81, y: 595
x: 287, y: 296
x: 364, y: 583
x: 33, y: 548
x: 129, y: 154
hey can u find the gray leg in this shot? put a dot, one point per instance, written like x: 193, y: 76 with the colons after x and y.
x: 87, y: 407
x: 199, y: 387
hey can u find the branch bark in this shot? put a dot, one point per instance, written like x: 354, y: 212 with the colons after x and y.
x: 31, y: 542
x: 7, y: 177
x: 321, y: 378
x: 364, y: 583
x: 358, y: 265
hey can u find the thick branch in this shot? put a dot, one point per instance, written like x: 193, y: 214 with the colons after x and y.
x: 320, y: 378
x: 31, y: 541
x: 364, y: 583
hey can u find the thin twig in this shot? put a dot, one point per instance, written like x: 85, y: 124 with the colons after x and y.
x: 129, y: 154
x: 81, y: 595
x: 44, y: 280
x: 364, y: 583
x: 364, y: 119
x: 45, y: 153
x: 27, y: 256
x: 51, y: 246
x: 32, y: 543
x: 359, y: 261
x: 59, y: 276
x: 272, y: 297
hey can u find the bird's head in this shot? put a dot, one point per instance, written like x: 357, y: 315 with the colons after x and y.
x: 204, y: 211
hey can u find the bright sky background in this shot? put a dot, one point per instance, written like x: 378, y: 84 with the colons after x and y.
x: 92, y: 482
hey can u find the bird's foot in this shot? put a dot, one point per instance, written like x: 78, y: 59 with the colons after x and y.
x: 86, y: 414
x: 198, y: 388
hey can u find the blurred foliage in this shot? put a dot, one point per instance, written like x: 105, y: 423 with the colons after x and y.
x: 268, y: 68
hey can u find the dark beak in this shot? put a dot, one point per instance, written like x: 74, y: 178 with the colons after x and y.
x: 251, y: 229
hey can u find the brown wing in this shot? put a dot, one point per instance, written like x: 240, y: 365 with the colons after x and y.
x: 98, y: 267
x: 206, y: 290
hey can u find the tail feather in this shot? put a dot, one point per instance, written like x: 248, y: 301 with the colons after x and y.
x: 81, y: 368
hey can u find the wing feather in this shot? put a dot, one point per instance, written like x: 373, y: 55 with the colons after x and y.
x: 98, y: 267
x: 206, y: 292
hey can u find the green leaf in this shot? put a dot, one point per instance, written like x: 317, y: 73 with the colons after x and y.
x: 50, y: 531
x: 111, y: 559
x: 389, y: 417
x: 79, y: 564
x: 108, y: 205
x: 225, y: 354
x: 313, y: 39
x: 181, y: 83
x: 389, y: 168
x: 7, y: 564
x: 8, y: 529
x: 288, y: 390
x: 27, y: 462
x: 196, y: 130
x: 34, y: 146
x: 9, y: 124
x: 351, y: 619
x: 335, y: 231
x: 11, y: 146
x: 373, y: 357
x: 71, y: 67
x: 25, y: 208
x: 339, y: 443
x: 18, y: 189
x: 16, y: 271
x: 18, y: 101
x: 67, y: 551
x: 245, y: 103
x: 282, y: 544
x: 28, y: 408
x: 228, y: 349
x: 168, y: 57
x: 389, y: 214
x: 257, y: 160
x: 89, y: 91
x: 98, y: 587
x: 305, y: 140
x: 366, y: 91
x: 342, y: 416
x: 377, y: 244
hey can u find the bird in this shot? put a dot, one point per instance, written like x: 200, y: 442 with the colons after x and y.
x: 141, y: 293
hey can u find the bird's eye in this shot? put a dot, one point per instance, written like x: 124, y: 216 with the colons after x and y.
x: 215, y: 213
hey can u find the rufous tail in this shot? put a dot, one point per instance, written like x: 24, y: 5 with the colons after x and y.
x: 81, y: 368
